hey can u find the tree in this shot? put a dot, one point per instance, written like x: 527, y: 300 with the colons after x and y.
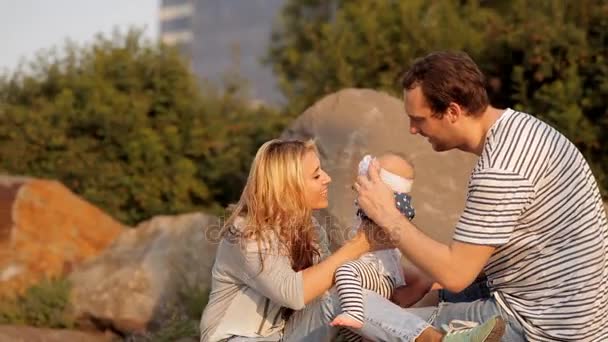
x: 124, y: 123
x: 365, y: 43
x: 545, y: 57
x: 551, y: 61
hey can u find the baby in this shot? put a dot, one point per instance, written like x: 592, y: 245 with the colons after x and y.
x: 379, y: 271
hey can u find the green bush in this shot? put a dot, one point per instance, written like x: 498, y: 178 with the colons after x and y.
x: 183, y: 320
x: 42, y: 305
x: 176, y: 328
x: 195, y: 299
x: 124, y: 123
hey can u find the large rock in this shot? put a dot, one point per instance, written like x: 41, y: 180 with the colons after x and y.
x: 353, y: 122
x: 45, y: 231
x: 148, y: 275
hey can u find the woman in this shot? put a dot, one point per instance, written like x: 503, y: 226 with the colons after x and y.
x: 273, y: 258
x: 272, y: 267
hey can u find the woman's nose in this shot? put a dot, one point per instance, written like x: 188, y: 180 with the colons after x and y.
x: 327, y: 179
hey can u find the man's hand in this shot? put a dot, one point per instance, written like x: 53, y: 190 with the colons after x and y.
x: 454, y: 266
x: 376, y: 198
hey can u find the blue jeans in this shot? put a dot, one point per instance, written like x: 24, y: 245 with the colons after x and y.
x: 311, y: 324
x: 475, y: 303
x: 308, y: 324
x: 477, y: 290
x: 385, y: 321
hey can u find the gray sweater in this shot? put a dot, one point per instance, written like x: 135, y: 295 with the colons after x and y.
x: 245, y: 302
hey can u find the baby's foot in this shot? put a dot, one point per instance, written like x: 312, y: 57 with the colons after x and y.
x: 346, y: 320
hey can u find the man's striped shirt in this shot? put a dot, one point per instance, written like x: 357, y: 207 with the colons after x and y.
x: 532, y: 194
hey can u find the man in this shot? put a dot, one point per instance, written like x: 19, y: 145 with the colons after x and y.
x: 534, y: 221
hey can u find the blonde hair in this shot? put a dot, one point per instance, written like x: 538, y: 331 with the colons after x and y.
x: 273, y: 203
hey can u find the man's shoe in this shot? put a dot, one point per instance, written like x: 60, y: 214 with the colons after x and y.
x: 465, y: 331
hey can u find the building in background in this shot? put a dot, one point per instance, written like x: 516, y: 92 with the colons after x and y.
x: 224, y: 36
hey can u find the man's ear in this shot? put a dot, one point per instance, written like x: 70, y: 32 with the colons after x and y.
x: 454, y: 112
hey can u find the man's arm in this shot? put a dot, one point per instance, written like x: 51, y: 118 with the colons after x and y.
x: 454, y: 267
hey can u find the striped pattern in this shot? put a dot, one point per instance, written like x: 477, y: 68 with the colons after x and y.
x: 351, y: 278
x: 532, y: 194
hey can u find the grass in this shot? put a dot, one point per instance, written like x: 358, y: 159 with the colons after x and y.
x: 42, y: 305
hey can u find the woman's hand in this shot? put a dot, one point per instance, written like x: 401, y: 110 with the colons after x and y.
x: 377, y: 238
x: 370, y: 237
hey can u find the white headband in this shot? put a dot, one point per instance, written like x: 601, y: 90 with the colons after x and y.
x: 395, y: 182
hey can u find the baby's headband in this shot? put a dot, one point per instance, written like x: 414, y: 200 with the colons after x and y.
x: 395, y: 182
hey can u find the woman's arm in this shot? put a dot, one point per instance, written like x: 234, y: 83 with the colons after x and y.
x: 277, y: 281
x: 320, y: 277
x: 274, y: 278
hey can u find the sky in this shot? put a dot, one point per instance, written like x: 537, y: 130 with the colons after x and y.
x: 27, y: 26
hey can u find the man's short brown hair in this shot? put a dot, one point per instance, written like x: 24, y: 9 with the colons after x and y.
x: 447, y: 77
